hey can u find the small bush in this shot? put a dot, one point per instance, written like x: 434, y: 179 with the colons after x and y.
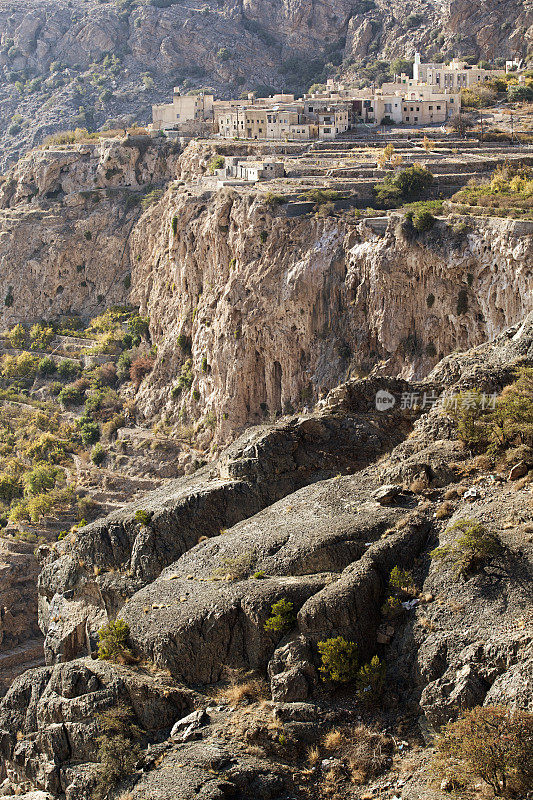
x: 17, y: 336
x: 423, y: 221
x: 113, y: 642
x: 98, y: 455
x: 472, y: 549
x: 118, y: 751
x: 339, y: 661
x: 217, y: 162
x: 41, y: 336
x: 143, y: 517
x: 89, y: 432
x: 71, y: 395
x: 68, y: 369
x: 494, y: 743
x: 370, y: 681
x: 282, y: 619
x: 47, y: 366
x: 401, y: 580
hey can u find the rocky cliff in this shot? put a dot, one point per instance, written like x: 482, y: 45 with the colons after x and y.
x: 65, y: 65
x: 255, y: 310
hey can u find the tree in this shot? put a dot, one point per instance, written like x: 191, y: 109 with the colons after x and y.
x: 113, y: 642
x: 494, y: 743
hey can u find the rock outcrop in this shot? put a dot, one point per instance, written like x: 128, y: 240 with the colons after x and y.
x: 328, y: 548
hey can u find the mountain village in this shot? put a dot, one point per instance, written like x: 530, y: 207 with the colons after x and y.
x: 430, y: 98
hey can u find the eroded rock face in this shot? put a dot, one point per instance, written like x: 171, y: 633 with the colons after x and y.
x: 273, y: 325
x: 110, y: 559
x: 66, y: 215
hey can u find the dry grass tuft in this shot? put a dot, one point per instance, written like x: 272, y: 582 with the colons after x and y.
x: 243, y: 687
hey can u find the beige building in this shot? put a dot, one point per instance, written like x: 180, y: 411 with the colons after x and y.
x: 452, y: 77
x: 185, y: 108
x: 251, y: 171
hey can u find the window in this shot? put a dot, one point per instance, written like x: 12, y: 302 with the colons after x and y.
x: 327, y: 130
x: 416, y: 119
x: 407, y: 119
x: 388, y: 107
x: 431, y: 108
x: 451, y: 99
x: 418, y: 108
x: 438, y: 108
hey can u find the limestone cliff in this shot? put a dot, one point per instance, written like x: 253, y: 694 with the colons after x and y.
x: 278, y: 309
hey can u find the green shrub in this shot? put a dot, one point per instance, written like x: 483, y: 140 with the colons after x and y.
x: 474, y: 548
x: 41, y: 336
x: 22, y: 367
x: 407, y: 184
x: 113, y: 642
x: 392, y: 607
x: 174, y: 225
x: 143, y: 517
x: 282, y: 617
x: 71, y: 395
x: 17, y: 336
x: 89, y: 432
x: 370, y: 681
x: 41, y: 478
x: 10, y: 488
x: 339, y: 661
x: 401, y: 580
x: 98, y: 455
x: 492, y: 743
x: 184, y: 342
x: 217, y: 162
x: 423, y: 221
x: 47, y: 366
x: 68, y: 369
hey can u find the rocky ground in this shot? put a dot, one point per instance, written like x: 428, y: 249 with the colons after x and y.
x: 87, y: 64
x: 195, y: 580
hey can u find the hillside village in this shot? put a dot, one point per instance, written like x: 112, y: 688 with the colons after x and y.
x: 431, y: 97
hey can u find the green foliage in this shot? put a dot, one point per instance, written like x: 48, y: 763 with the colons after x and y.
x: 423, y: 221
x: 41, y: 336
x: 508, y: 424
x: 370, y: 681
x: 47, y: 366
x: 98, y: 455
x: 68, y: 369
x: 185, y: 379
x: 143, y: 517
x: 407, y: 184
x: 17, y: 336
x: 138, y: 326
x: 339, y: 660
x: 320, y: 197
x: 23, y: 367
x: 184, y: 343
x: 282, y: 617
x: 113, y: 642
x: 272, y: 199
x: 494, y: 743
x: 89, y: 432
x: 71, y: 395
x: 401, y: 580
x: 217, y: 162
x: 472, y: 550
x: 174, y: 225
x: 10, y: 488
x: 40, y: 478
x: 518, y: 92
x: 392, y: 607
